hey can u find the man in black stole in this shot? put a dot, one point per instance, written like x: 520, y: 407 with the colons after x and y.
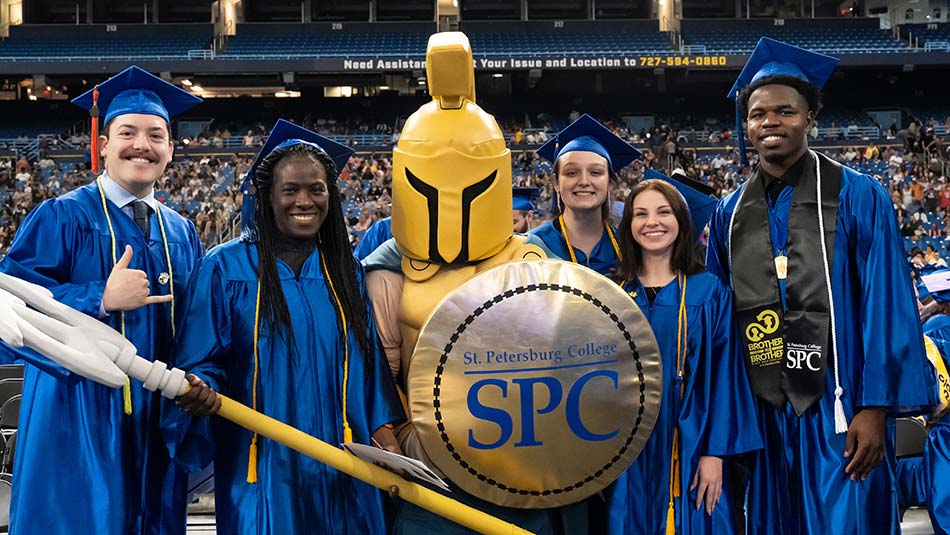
x: 824, y: 308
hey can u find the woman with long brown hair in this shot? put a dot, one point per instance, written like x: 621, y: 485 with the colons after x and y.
x: 707, y: 411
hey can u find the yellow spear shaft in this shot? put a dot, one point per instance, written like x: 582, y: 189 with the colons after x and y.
x: 378, y: 477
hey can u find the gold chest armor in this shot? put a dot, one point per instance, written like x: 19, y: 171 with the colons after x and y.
x: 426, y: 284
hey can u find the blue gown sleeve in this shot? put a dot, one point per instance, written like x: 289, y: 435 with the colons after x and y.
x: 733, y: 426
x: 895, y: 374
x: 34, y: 257
x: 204, y: 337
x: 717, y: 261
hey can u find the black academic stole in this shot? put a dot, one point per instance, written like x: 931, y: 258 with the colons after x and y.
x: 787, y: 350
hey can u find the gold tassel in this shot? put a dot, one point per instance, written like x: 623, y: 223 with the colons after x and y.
x: 127, y: 397
x: 670, y: 520
x: 674, y: 484
x: 347, y: 433
x: 252, y: 461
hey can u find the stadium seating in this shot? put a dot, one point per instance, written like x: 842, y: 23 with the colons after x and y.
x: 832, y: 36
x: 141, y: 41
x: 575, y: 38
x: 936, y: 34
x: 495, y: 39
x: 354, y: 40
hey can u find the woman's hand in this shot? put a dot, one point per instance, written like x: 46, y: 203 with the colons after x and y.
x: 384, y: 438
x: 708, y: 479
x: 200, y: 400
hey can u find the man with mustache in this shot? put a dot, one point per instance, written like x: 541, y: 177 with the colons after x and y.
x: 825, y: 311
x: 93, y: 459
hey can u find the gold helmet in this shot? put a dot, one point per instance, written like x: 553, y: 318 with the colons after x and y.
x: 451, y: 168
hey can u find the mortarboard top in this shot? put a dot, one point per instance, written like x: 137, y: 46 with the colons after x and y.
x: 522, y: 198
x: 775, y: 58
x: 589, y: 135
x: 696, y: 194
x: 137, y: 91
x: 936, y: 284
x: 286, y: 134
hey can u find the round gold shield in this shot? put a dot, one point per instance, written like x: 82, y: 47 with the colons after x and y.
x: 535, y: 384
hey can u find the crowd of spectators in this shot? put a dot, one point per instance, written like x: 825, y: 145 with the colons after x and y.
x: 195, y: 187
x: 206, y: 188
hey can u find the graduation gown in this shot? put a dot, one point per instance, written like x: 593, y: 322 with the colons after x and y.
x: 82, y: 465
x: 936, y: 475
x: 603, y: 258
x: 716, y: 415
x: 799, y: 485
x: 923, y: 480
x: 380, y: 232
x: 294, y: 493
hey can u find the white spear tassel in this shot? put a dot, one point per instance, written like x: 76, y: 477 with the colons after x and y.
x: 841, y: 423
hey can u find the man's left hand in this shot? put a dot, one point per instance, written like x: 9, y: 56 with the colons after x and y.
x: 865, y: 442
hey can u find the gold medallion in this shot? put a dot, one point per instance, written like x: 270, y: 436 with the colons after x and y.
x: 532, y: 412
x: 781, y: 267
x: 163, y: 278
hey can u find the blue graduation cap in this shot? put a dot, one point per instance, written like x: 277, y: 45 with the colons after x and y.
x: 131, y: 91
x: 287, y: 134
x: 935, y: 283
x: 775, y: 58
x: 589, y: 135
x: 522, y: 198
x: 136, y: 91
x: 697, y: 195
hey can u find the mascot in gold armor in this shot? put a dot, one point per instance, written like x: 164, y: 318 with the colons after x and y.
x: 452, y: 198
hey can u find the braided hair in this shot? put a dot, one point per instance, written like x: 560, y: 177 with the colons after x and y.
x: 333, y: 241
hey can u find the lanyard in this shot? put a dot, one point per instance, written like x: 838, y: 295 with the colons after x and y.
x: 126, y: 390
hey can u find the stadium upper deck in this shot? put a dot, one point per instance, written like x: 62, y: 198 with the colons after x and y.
x: 74, y: 48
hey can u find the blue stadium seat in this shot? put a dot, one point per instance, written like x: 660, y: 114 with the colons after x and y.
x: 832, y: 36
x: 132, y: 40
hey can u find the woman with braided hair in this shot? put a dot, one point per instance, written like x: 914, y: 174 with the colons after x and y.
x: 278, y: 319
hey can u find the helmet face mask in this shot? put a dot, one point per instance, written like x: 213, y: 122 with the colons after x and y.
x: 451, y: 207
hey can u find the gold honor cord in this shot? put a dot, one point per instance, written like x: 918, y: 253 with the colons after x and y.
x: 570, y: 248
x: 682, y: 333
x: 127, y: 390
x: 347, y: 431
x: 252, y: 450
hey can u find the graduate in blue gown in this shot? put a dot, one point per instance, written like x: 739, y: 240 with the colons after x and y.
x: 922, y: 480
x: 522, y: 208
x: 278, y: 320
x: 91, y: 459
x: 827, y: 370
x: 676, y: 485
x: 935, y: 473
x: 376, y: 235
x: 586, y: 157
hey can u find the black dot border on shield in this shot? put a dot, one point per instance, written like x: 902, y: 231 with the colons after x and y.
x: 436, y: 404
